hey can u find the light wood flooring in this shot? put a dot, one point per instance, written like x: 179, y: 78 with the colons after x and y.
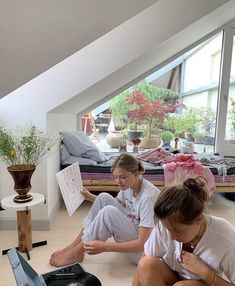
x: 113, y: 269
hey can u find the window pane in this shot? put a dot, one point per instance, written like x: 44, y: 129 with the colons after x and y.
x: 230, y: 123
x: 200, y: 90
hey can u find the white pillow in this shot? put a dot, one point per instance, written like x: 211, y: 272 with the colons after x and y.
x: 80, y: 145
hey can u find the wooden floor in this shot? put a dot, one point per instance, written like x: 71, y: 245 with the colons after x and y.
x: 113, y: 269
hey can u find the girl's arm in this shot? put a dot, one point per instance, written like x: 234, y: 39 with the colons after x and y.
x: 137, y: 245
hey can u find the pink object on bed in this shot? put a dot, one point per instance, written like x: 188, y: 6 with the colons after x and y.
x: 185, y: 166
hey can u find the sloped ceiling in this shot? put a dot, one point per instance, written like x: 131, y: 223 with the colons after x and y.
x: 36, y: 35
x: 120, y: 57
x: 151, y: 40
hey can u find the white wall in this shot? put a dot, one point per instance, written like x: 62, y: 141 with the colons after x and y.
x: 43, y: 180
x: 56, y: 123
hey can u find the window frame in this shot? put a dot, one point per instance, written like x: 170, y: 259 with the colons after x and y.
x: 221, y: 145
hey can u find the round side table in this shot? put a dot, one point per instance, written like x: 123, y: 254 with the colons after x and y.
x: 24, y: 221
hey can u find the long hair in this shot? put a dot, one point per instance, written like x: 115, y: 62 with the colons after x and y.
x: 183, y: 202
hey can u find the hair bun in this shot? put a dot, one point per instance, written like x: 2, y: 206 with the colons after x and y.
x: 198, y: 187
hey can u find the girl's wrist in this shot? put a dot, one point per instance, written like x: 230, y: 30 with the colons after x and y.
x: 210, y: 277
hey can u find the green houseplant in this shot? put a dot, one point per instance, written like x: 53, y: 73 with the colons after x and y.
x: 167, y: 136
x: 24, y: 146
x: 207, y: 124
x: 198, y: 137
x: 22, y: 150
x: 207, y: 120
x: 174, y: 122
x: 119, y: 108
x: 185, y: 123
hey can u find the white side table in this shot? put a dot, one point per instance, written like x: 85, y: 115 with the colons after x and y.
x: 24, y: 222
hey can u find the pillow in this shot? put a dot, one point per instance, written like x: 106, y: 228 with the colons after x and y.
x: 80, y: 145
x: 81, y: 161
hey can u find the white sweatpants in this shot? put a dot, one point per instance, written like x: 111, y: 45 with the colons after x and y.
x: 108, y: 218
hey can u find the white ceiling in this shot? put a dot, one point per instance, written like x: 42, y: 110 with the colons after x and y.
x: 36, y: 35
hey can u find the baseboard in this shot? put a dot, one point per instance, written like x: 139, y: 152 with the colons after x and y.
x: 36, y: 225
x: 11, y: 224
x: 55, y: 211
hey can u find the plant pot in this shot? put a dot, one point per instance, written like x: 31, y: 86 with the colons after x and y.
x: 166, y: 143
x: 114, y: 139
x: 198, y: 139
x: 188, y: 136
x: 133, y: 135
x: 21, y: 175
x: 209, y: 140
x: 149, y: 143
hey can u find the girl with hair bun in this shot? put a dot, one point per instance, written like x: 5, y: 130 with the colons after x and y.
x: 128, y: 218
x: 187, y: 246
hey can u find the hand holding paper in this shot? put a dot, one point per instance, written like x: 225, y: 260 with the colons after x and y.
x: 70, y: 183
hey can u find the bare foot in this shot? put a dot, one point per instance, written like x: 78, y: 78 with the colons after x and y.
x: 76, y: 254
x: 61, y: 251
x: 70, y: 246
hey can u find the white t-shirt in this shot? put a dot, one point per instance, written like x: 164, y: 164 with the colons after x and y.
x: 140, y: 209
x: 216, y: 248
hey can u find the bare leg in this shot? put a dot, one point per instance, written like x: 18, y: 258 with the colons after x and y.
x: 72, y: 255
x: 70, y: 246
x: 152, y: 271
x: 135, y: 281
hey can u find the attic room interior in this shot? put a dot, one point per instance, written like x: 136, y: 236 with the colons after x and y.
x: 60, y: 62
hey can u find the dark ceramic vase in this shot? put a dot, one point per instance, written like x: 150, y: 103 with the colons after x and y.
x: 21, y: 175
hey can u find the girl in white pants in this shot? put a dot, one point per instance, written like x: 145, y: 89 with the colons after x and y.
x: 128, y: 218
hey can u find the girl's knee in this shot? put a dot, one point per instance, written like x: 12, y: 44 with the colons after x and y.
x: 103, y: 196
x: 147, y: 263
x: 110, y: 210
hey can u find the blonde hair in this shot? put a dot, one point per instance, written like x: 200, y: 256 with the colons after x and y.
x: 128, y: 163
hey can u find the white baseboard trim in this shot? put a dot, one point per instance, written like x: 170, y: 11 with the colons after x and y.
x: 11, y: 224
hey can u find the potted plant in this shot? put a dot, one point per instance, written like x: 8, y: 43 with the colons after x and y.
x: 22, y: 150
x: 184, y: 124
x: 133, y: 131
x: 198, y: 137
x: 167, y: 136
x: 150, y: 112
x: 208, y: 121
x: 119, y: 108
x: 122, y: 104
x: 175, y: 123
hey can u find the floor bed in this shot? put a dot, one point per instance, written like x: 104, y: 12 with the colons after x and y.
x: 99, y: 177
x: 105, y: 182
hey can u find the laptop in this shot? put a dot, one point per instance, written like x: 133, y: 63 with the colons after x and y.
x: 71, y: 275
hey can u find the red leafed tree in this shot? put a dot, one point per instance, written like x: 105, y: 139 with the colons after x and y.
x: 148, y: 110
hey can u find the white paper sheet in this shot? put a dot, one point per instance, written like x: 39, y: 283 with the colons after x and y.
x: 70, y: 183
